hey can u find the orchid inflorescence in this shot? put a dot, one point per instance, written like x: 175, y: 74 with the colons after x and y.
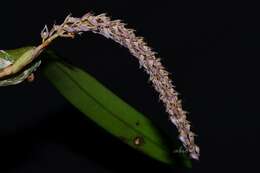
x: 116, y: 30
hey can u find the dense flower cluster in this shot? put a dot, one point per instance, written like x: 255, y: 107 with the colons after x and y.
x: 116, y: 30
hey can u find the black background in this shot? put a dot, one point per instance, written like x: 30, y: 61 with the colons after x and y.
x: 211, y: 49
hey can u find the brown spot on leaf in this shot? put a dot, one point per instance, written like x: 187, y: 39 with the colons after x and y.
x: 138, y: 140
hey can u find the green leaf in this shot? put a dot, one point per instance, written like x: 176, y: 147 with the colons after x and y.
x: 107, y: 110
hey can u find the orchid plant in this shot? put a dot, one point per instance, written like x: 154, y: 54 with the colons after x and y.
x: 20, y: 64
